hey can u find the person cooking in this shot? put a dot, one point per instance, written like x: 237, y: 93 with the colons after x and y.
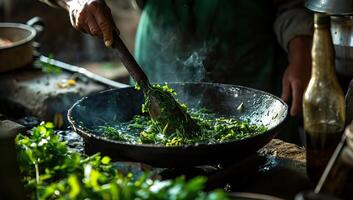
x: 232, y: 42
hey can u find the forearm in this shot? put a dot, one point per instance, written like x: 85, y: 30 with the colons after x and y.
x: 292, y: 20
x: 299, y: 51
x: 297, y: 75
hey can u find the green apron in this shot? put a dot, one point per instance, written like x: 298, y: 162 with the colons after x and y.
x: 208, y: 40
x: 212, y: 40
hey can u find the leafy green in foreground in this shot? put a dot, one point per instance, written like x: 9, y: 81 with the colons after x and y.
x: 51, y: 171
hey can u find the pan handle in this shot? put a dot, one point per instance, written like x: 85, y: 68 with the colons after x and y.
x: 37, y: 23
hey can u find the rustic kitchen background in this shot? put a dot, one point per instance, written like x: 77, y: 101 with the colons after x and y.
x: 29, y: 95
x: 71, y: 46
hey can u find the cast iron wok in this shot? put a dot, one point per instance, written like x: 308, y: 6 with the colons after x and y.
x: 119, y: 105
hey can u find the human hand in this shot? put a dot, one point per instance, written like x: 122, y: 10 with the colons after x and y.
x: 297, y: 74
x: 93, y: 17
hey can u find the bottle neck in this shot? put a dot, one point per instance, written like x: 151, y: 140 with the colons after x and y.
x: 322, y: 53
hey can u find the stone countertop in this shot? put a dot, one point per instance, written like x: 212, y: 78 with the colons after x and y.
x: 285, y: 175
x: 278, y: 169
x: 286, y: 152
x: 31, y: 92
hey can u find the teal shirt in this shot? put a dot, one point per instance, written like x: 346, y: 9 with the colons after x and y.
x: 218, y: 41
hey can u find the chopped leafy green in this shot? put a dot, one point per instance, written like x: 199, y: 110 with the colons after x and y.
x: 212, y: 129
x: 167, y: 113
x: 208, y: 127
x: 51, y: 171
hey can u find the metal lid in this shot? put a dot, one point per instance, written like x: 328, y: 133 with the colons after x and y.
x: 331, y: 7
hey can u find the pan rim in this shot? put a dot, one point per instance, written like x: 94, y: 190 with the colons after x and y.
x: 88, y: 133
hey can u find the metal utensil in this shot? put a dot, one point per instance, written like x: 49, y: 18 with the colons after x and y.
x: 162, y: 106
x: 130, y: 63
x: 82, y: 71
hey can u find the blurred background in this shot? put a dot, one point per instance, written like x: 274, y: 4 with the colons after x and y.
x: 66, y: 44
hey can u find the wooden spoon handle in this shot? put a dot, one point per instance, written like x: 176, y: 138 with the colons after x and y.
x: 129, y: 61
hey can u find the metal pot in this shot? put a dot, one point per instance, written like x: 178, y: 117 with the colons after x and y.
x: 341, y: 28
x: 331, y: 7
x: 342, y: 36
x: 20, y: 52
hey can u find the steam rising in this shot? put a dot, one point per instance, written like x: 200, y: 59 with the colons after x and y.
x: 168, y: 56
x: 194, y: 65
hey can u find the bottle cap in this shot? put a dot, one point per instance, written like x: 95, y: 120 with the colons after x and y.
x: 321, y: 19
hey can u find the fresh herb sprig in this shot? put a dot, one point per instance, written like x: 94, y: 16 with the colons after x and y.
x: 51, y: 171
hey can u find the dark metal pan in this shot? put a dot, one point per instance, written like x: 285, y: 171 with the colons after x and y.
x: 118, y: 105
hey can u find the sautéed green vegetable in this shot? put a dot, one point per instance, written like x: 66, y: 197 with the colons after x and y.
x: 209, y: 128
